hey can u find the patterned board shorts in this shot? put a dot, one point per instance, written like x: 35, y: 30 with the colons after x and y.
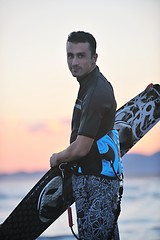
x: 96, y: 202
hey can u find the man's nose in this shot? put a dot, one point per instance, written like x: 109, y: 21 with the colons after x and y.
x: 75, y: 61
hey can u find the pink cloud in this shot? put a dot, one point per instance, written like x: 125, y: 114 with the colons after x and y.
x: 28, y: 146
x: 39, y: 128
x: 49, y: 127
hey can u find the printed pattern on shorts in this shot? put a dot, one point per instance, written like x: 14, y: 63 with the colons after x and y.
x: 96, y: 202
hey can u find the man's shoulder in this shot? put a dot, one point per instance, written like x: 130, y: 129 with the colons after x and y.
x: 103, y: 86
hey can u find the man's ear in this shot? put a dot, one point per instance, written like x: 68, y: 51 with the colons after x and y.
x: 95, y: 56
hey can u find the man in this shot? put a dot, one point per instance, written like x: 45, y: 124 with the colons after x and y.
x: 95, y: 182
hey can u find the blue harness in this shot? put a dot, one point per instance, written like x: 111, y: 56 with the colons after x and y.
x: 109, y: 150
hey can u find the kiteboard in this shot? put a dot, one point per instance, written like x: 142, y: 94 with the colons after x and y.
x: 45, y: 202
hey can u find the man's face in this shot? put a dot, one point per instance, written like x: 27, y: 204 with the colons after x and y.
x: 79, y: 59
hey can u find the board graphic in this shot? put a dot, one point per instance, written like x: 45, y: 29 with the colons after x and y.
x: 44, y: 203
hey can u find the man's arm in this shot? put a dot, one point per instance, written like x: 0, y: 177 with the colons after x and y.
x: 78, y: 149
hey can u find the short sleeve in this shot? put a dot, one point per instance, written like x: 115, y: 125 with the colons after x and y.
x: 92, y: 112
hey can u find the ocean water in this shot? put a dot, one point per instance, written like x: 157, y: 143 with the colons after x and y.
x: 139, y: 219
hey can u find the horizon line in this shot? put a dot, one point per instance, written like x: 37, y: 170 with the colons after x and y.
x: 38, y: 171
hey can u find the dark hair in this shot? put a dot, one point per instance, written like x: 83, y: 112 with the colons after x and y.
x: 82, y: 37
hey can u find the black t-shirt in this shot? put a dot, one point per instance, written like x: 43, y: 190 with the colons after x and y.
x: 93, y: 115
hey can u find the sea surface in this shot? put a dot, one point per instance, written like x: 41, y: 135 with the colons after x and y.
x: 139, y: 219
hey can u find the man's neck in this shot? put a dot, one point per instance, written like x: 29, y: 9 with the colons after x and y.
x: 85, y: 75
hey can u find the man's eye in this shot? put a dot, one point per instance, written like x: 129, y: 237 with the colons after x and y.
x: 80, y: 55
x: 69, y: 55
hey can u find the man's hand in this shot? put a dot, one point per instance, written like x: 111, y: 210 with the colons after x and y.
x: 78, y: 149
x: 54, y: 160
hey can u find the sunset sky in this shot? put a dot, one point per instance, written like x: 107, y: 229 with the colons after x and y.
x: 37, y: 91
